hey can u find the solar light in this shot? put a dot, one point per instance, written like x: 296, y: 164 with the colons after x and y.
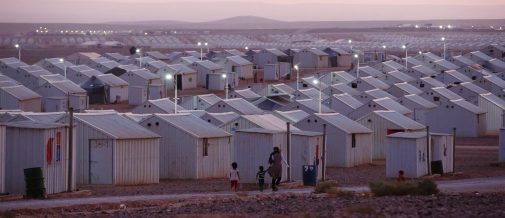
x: 169, y: 77
x: 315, y: 81
x: 224, y: 76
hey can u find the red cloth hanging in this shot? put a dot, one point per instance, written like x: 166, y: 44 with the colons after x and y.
x: 49, y: 151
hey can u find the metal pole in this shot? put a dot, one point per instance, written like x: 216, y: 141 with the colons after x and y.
x: 65, y: 70
x: 201, y: 53
x: 140, y: 60
x: 406, y: 57
x: 288, y: 149
x: 297, y: 79
x: 320, y: 96
x: 70, y: 147
x: 357, y: 69
x: 444, y: 51
x: 323, y: 155
x: 428, y: 149
x: 453, y: 150
x: 19, y: 53
x: 175, y: 96
x: 226, y: 88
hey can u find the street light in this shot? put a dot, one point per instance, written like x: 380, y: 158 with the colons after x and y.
x: 140, y: 57
x: 64, y: 67
x: 226, y: 85
x: 350, y: 43
x: 170, y: 77
x: 443, y: 40
x: 317, y: 82
x: 297, y: 77
x: 385, y: 52
x: 357, y: 66
x: 19, y: 51
x: 406, y: 55
x: 246, y: 48
x: 201, y: 50
x: 207, y: 45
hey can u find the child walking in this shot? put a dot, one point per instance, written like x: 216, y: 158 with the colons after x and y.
x: 234, y: 176
x: 260, y: 176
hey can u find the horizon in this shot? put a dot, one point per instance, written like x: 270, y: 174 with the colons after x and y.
x: 111, y: 11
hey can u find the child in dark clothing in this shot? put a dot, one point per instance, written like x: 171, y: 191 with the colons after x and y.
x: 260, y: 176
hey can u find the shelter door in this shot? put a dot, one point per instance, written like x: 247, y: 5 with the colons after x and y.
x: 100, y: 161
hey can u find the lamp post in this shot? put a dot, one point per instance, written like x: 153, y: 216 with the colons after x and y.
x: 385, y: 51
x: 350, y: 43
x: 246, y: 48
x: 19, y: 51
x: 170, y: 77
x: 64, y: 67
x: 201, y: 50
x: 140, y: 57
x: 406, y: 55
x: 297, y: 77
x: 318, y: 83
x: 443, y: 40
x: 226, y: 85
x: 357, y: 65
x: 207, y: 45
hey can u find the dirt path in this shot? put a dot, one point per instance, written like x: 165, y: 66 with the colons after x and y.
x: 493, y: 184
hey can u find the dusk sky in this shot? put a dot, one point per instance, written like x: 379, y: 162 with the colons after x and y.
x: 98, y: 11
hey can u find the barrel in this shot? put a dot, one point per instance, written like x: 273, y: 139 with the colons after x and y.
x: 34, y: 183
x: 437, y: 167
x: 309, y: 175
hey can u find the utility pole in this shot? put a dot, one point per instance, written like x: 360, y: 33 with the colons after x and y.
x: 288, y: 149
x: 70, y: 147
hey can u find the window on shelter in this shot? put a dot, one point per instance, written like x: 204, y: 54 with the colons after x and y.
x: 205, y: 147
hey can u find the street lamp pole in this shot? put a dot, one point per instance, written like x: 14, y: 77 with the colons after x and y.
x: 140, y: 57
x: 201, y: 50
x: 443, y: 40
x: 64, y: 67
x: 318, y: 82
x: 207, y: 45
x: 226, y: 86
x: 357, y: 65
x: 350, y: 43
x: 406, y: 55
x: 174, y: 77
x: 297, y: 77
x: 385, y: 52
x: 19, y: 51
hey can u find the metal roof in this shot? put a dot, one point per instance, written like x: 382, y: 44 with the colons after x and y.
x: 392, y: 105
x: 111, y: 80
x: 375, y: 82
x: 317, y: 52
x: 495, y: 80
x: 197, y: 113
x: 67, y: 86
x: 243, y: 106
x: 409, y: 88
x: 20, y: 92
x: 222, y: 117
x: 378, y: 93
x: 344, y: 75
x: 313, y: 105
x: 211, y: 98
x: 421, y: 101
x: 424, y: 70
x: 401, y: 76
x: 481, y: 55
x: 469, y: 106
x: 342, y: 122
x: 370, y: 71
x: 46, y: 117
x: 165, y: 104
x: 209, y: 65
x: 474, y: 88
x: 115, y: 125
x: 157, y: 55
x: 413, y: 61
x: 293, y: 116
x: 348, y: 100
x: 145, y: 74
x: 400, y: 120
x: 247, y: 93
x: 446, y: 64
x: 393, y: 64
x: 312, y: 93
x: 157, y: 64
x: 464, y: 60
x: 29, y: 124
x: 79, y: 68
x: 284, y: 88
x: 235, y: 52
x: 239, y: 60
x: 459, y: 76
x: 432, y: 82
x: 268, y: 121
x: 344, y: 88
x: 276, y: 52
x: 446, y: 93
x: 193, y: 125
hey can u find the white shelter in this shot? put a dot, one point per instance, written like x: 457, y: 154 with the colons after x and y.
x: 468, y: 119
x: 384, y: 123
x: 190, y: 147
x: 19, y: 97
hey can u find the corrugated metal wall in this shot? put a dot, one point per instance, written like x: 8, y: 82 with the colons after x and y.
x: 442, y: 149
x: 406, y: 154
x: 2, y: 159
x: 177, y: 153
x: 33, y: 105
x: 494, y: 116
x: 84, y: 133
x: 379, y: 126
x: 27, y: 148
x: 501, y: 151
x: 253, y: 149
x: 361, y: 153
x: 136, y: 161
x: 303, y: 152
x: 217, y: 164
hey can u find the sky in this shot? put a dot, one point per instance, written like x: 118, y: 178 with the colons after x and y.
x: 101, y: 11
